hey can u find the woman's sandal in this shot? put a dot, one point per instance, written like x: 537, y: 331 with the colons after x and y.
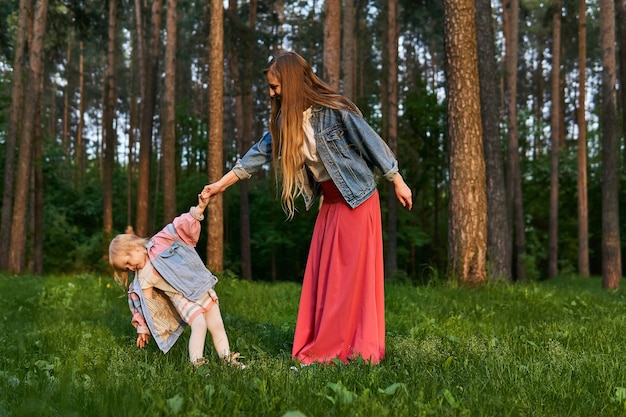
x: 231, y: 360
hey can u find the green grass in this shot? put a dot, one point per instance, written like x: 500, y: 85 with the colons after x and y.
x: 548, y: 349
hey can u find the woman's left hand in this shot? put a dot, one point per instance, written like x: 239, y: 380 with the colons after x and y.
x: 403, y: 192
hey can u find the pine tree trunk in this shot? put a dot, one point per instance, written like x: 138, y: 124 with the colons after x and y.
x: 349, y: 50
x: 583, y: 215
x: 611, y: 250
x: 332, y: 42
x: 110, y: 139
x: 147, y: 112
x: 555, y: 121
x: 511, y: 10
x: 215, y: 247
x: 168, y: 147
x: 467, y: 233
x: 13, y: 131
x: 17, y: 246
x: 499, y: 237
x: 391, y: 249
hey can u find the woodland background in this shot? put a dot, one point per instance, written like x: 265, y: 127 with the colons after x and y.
x: 507, y: 119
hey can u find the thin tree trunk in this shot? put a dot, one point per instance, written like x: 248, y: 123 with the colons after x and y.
x: 168, y: 147
x: 215, y: 248
x: 110, y: 139
x: 620, y: 10
x: 391, y: 252
x: 17, y: 247
x: 147, y: 122
x: 499, y: 237
x: 611, y: 250
x: 332, y: 42
x: 511, y: 8
x: 555, y: 121
x: 349, y: 50
x: 583, y: 215
x: 13, y: 130
x: 38, y: 193
x: 80, y: 161
x: 65, y: 138
x: 467, y: 233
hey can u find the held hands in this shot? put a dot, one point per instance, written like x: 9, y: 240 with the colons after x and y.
x: 403, y: 192
x: 142, y: 340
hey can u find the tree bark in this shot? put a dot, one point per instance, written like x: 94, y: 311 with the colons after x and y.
x: 611, y: 250
x: 511, y: 10
x: 17, y: 246
x: 620, y: 11
x: 80, y: 159
x: 499, y: 237
x: 555, y: 136
x: 13, y: 130
x: 110, y: 138
x: 147, y: 122
x: 391, y: 252
x: 467, y: 234
x: 332, y: 42
x: 581, y: 121
x: 349, y: 50
x: 215, y: 248
x: 168, y: 147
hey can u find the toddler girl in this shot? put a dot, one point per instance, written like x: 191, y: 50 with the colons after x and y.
x: 172, y: 287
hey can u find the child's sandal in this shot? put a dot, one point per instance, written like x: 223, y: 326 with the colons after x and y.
x: 198, y: 362
x: 231, y: 360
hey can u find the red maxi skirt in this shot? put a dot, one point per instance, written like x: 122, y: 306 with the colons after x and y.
x: 342, y: 311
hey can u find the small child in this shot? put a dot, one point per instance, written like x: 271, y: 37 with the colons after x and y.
x: 172, y: 287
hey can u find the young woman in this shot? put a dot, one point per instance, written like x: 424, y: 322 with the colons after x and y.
x: 172, y: 287
x: 324, y: 146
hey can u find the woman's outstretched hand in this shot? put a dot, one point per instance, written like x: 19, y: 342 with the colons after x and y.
x: 220, y: 185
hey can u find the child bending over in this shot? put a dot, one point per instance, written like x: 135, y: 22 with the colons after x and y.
x: 172, y: 287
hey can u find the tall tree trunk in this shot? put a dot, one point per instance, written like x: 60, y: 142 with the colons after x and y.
x: 13, y: 130
x: 611, y: 251
x: 80, y: 161
x: 244, y: 109
x: 168, y: 147
x: 38, y: 193
x: 620, y: 10
x: 65, y: 137
x: 349, y: 50
x: 17, y: 246
x: 147, y: 112
x: 583, y: 215
x: 555, y: 121
x: 110, y: 139
x: 499, y: 237
x: 391, y: 252
x: 467, y: 234
x: 332, y: 42
x: 215, y: 248
x: 511, y: 9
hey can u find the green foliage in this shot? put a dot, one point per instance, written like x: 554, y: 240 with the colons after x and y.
x: 545, y: 349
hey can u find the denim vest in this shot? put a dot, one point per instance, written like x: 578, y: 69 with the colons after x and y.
x: 347, y: 146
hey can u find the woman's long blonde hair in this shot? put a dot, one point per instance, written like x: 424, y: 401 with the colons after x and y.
x: 300, y: 88
x: 119, y: 246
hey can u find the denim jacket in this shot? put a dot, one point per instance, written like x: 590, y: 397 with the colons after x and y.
x: 182, y: 268
x: 347, y: 146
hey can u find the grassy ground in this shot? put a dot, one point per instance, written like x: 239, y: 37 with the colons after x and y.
x: 549, y: 349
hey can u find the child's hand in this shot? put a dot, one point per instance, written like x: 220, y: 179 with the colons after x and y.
x: 142, y: 340
x: 203, y: 199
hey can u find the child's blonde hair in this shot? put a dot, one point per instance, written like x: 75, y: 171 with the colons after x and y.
x: 119, y: 246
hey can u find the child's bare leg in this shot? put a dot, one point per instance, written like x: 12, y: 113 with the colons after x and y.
x: 197, y: 338
x: 215, y: 325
